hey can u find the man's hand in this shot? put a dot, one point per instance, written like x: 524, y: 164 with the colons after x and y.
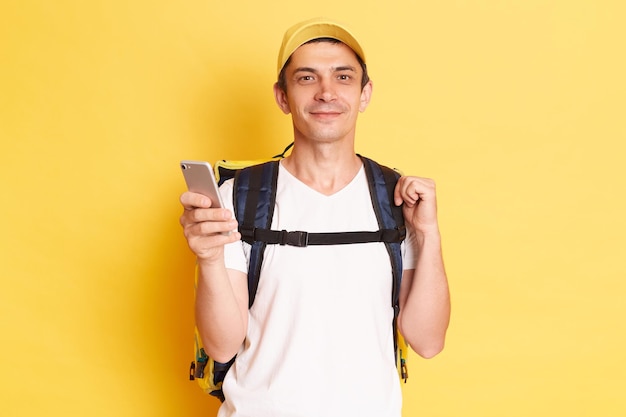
x: 420, y: 203
x: 206, y: 229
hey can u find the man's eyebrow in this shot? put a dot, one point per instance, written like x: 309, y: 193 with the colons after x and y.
x: 336, y: 69
x: 345, y: 68
x: 305, y: 69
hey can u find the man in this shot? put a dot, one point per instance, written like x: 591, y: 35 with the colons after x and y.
x: 293, y: 346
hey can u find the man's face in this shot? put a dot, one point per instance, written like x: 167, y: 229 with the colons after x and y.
x: 324, y: 94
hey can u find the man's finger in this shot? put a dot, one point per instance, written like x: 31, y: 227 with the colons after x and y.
x: 191, y: 200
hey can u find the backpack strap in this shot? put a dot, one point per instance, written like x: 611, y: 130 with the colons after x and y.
x: 254, y: 197
x: 302, y: 239
x: 382, y: 182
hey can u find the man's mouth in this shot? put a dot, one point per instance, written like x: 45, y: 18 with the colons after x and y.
x: 325, y: 112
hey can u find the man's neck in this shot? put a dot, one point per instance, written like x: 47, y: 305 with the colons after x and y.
x: 326, y: 168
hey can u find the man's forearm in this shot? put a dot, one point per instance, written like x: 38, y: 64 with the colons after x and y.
x: 425, y: 315
x: 221, y: 310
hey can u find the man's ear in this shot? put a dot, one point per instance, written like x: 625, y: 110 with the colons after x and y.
x: 281, y: 99
x: 366, y: 96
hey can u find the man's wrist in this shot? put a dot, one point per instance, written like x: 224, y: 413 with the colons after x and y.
x: 428, y: 236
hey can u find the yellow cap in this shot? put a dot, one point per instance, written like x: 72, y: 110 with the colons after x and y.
x: 316, y: 28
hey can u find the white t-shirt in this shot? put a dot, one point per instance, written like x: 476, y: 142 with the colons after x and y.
x: 320, y: 340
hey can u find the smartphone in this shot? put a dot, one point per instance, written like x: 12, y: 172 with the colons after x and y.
x: 200, y: 179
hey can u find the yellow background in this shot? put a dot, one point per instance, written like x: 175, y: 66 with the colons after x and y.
x: 516, y: 107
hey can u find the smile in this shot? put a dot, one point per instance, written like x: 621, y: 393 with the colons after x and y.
x: 325, y: 114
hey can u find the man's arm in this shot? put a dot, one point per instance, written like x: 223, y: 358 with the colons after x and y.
x: 424, y: 294
x: 222, y: 294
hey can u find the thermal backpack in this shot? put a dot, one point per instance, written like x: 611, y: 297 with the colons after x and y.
x: 254, y: 197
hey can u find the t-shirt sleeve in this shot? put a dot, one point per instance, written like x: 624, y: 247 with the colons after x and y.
x: 409, y: 260
x: 234, y: 253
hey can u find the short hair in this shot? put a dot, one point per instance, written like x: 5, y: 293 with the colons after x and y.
x: 282, y: 82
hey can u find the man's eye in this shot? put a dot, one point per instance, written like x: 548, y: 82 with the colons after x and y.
x: 345, y: 77
x: 306, y: 78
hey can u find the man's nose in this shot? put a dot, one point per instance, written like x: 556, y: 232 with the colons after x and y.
x: 326, y: 91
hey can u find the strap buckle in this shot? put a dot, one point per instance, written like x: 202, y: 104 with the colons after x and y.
x: 298, y: 239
